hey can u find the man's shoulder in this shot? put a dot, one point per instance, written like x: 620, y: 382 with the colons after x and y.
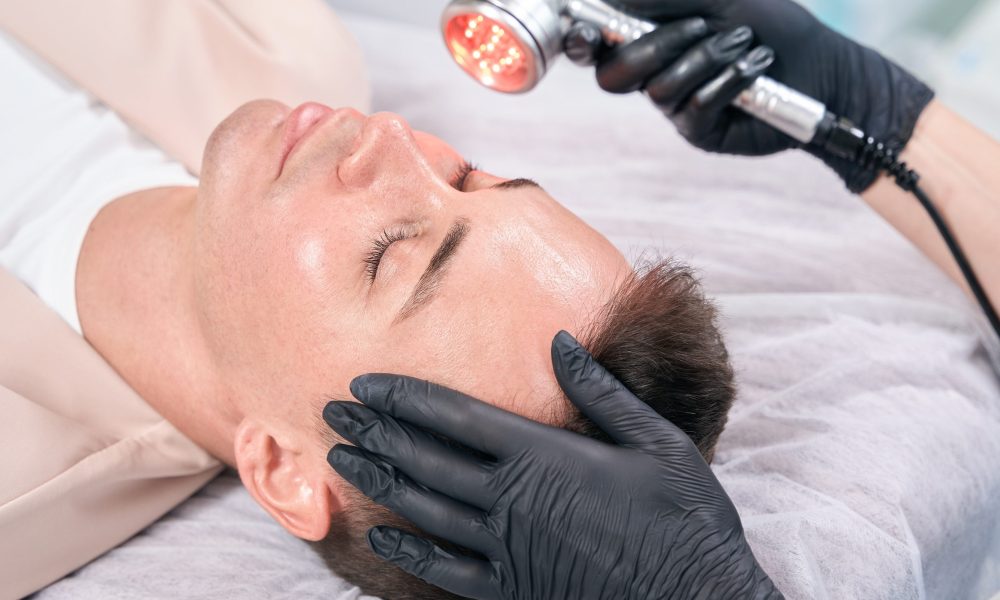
x: 87, y: 462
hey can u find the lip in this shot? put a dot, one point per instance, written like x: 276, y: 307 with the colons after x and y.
x: 299, y: 123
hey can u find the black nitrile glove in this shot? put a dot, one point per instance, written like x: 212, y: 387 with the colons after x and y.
x: 696, y: 64
x: 556, y: 515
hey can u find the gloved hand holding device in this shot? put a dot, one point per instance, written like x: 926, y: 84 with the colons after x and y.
x: 700, y: 59
x: 556, y: 515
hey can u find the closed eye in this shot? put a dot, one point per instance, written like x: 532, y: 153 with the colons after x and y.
x: 379, y: 247
x: 461, y: 176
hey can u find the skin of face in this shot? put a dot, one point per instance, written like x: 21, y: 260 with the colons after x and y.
x: 289, y: 209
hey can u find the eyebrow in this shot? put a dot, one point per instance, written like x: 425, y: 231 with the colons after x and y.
x: 516, y: 184
x: 429, y: 282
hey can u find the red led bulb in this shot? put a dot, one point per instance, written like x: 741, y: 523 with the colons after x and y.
x: 490, y: 52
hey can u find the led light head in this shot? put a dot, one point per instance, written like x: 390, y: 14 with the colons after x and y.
x: 506, y: 46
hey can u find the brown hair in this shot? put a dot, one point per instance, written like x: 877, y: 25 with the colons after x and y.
x: 658, y: 335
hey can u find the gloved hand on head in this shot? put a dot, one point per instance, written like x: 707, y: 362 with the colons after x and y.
x: 700, y: 59
x: 553, y: 514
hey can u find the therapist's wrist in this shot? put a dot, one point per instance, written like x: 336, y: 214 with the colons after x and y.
x: 729, y: 571
x: 763, y: 588
x: 750, y: 582
x: 887, y: 109
x: 745, y: 579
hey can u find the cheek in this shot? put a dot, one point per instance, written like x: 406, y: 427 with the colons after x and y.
x: 276, y: 318
x: 233, y: 179
x: 282, y: 282
x: 289, y: 270
x: 310, y: 261
x: 442, y: 158
x: 238, y: 147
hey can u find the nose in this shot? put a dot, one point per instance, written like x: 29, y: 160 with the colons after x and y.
x: 388, y: 152
x: 386, y: 141
x: 387, y: 124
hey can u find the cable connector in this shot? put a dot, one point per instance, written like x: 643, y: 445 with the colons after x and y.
x: 841, y: 138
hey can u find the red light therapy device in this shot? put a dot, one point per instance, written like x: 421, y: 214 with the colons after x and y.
x: 490, y: 52
x: 509, y: 45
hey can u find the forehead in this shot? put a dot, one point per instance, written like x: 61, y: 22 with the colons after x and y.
x: 528, y: 269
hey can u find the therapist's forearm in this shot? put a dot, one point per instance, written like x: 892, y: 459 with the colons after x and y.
x: 959, y: 167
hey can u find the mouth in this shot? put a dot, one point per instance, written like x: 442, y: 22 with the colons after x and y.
x: 299, y: 123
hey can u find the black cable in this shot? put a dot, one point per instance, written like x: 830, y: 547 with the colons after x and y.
x: 960, y: 258
x: 841, y: 138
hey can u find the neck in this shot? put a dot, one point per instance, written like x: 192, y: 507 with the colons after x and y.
x: 135, y: 297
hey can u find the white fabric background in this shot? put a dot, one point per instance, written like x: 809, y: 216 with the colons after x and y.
x: 63, y: 156
x: 864, y: 450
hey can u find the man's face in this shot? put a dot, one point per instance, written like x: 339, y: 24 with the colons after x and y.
x: 331, y: 244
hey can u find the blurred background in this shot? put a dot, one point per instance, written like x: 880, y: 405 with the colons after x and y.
x: 954, y: 45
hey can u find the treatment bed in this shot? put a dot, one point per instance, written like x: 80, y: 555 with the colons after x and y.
x: 863, y: 451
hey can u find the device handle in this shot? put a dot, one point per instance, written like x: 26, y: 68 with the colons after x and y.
x: 789, y: 111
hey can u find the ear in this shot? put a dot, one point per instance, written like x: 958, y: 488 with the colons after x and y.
x: 283, y: 481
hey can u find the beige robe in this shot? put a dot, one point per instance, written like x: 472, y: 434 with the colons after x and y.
x: 84, y: 462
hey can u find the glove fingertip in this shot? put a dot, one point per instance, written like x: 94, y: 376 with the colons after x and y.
x: 342, y: 459
x: 762, y: 57
x: 383, y: 541
x: 333, y: 457
x: 333, y: 413
x: 346, y: 454
x: 376, y: 389
x: 366, y: 471
x: 564, y: 342
x: 580, y: 376
x: 566, y: 355
x: 360, y: 386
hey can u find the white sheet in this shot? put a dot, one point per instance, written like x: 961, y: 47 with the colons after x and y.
x: 864, y: 450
